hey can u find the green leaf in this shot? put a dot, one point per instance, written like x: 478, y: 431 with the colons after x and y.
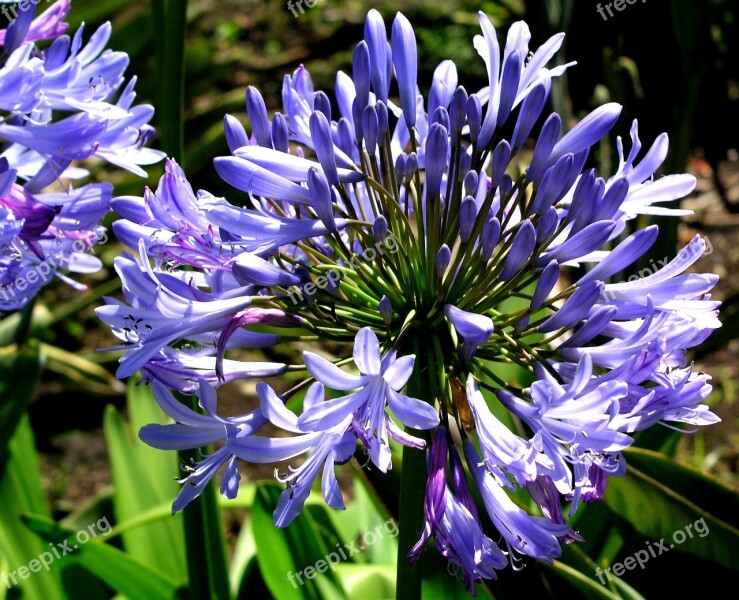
x: 361, y: 517
x: 40, y: 319
x: 244, y: 559
x: 659, y: 439
x: 20, y: 370
x: 162, y: 512
x: 161, y: 544
x: 664, y: 499
x: 575, y: 557
x: 20, y: 492
x: 367, y: 582
x: 89, y: 376
x: 596, y: 523
x: 588, y: 587
x: 287, y: 552
x: 3, y: 569
x: 125, y: 574
x: 162, y: 466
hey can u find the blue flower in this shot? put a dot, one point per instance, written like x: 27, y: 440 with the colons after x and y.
x: 45, y: 231
x: 537, y: 537
x: 394, y: 224
x: 193, y: 430
x: 326, y: 448
x: 451, y: 518
x: 381, y: 379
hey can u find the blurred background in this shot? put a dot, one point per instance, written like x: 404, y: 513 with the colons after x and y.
x: 672, y: 64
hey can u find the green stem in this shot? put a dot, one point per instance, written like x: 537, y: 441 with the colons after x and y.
x: 413, y: 486
x: 204, y: 540
x: 20, y: 337
x: 170, y: 24
x: 410, y: 520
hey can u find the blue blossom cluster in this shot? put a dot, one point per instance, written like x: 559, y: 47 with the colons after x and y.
x: 59, y: 105
x: 506, y: 250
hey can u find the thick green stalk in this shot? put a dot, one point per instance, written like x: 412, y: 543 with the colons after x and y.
x: 206, y: 558
x: 204, y: 541
x: 20, y: 337
x: 170, y: 24
x: 410, y: 520
x: 413, y: 487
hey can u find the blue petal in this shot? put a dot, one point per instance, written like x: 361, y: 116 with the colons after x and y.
x: 266, y: 450
x: 521, y: 249
x: 405, y: 57
x: 330, y: 487
x: 178, y: 411
x: 628, y: 251
x: 472, y: 327
x: 588, y: 131
x: 323, y: 145
x: 367, y: 352
x: 398, y: 373
x: 289, y: 166
x: 330, y: 375
x: 250, y: 268
x: 235, y: 133
x: 582, y: 243
x: 257, y: 112
x: 376, y: 38
x: 333, y: 414
x: 528, y: 115
x: 575, y: 308
x: 412, y: 412
x: 181, y: 437
x: 274, y: 409
x: 250, y: 177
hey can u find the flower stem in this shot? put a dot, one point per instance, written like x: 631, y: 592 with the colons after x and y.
x: 410, y: 520
x: 170, y: 24
x: 204, y: 540
x: 413, y: 486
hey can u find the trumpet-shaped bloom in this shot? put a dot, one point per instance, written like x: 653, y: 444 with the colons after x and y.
x: 381, y: 379
x: 392, y: 225
x: 59, y: 106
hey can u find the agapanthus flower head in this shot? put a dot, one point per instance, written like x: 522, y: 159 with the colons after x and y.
x: 59, y: 105
x: 413, y: 228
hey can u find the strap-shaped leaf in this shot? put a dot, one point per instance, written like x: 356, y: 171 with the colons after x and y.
x: 124, y: 573
x: 659, y: 496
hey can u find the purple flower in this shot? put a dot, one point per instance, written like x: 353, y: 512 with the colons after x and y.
x: 381, y: 379
x: 46, y: 231
x: 452, y: 520
x: 326, y: 448
x: 395, y: 224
